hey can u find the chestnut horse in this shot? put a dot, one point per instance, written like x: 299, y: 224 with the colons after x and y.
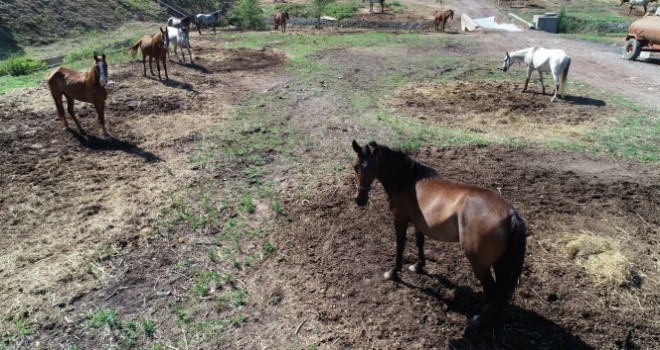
x: 442, y: 17
x: 155, y: 47
x: 280, y: 20
x: 488, y: 228
x: 86, y: 87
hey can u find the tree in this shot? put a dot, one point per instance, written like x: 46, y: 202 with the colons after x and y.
x: 317, y: 9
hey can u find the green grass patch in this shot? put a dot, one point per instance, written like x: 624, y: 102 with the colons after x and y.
x: 20, y: 65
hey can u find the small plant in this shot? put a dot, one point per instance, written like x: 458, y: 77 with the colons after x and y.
x: 105, y: 317
x: 247, y: 204
x: 148, y: 327
x: 20, y: 65
x: 213, y: 255
x: 269, y: 248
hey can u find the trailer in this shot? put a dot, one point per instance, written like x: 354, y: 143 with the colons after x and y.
x: 643, y: 35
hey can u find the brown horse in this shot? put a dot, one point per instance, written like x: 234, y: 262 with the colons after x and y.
x: 86, y: 87
x: 488, y: 228
x: 155, y: 47
x: 442, y: 17
x: 280, y: 20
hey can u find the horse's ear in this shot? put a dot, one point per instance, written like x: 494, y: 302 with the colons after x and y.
x: 507, y: 54
x: 373, y: 146
x: 103, y: 56
x: 356, y: 147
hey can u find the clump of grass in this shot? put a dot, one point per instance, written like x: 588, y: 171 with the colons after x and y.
x: 601, y: 257
x: 20, y: 65
x: 105, y: 317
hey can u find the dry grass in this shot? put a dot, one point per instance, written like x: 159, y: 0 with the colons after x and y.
x: 602, y: 257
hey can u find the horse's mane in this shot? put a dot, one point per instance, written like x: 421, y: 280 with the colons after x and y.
x: 403, y: 169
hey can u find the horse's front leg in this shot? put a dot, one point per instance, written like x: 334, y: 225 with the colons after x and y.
x: 157, y: 66
x: 100, y: 111
x: 165, y: 67
x: 400, y: 229
x: 418, y: 267
x: 382, y: 8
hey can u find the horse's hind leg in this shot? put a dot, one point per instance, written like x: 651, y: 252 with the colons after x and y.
x: 69, y: 107
x: 60, y: 107
x: 400, y: 228
x: 418, y: 267
x: 529, y: 75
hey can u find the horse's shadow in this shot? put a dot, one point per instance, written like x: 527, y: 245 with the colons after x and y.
x: 515, y: 327
x: 584, y: 101
x: 173, y: 83
x: 194, y: 66
x: 97, y: 144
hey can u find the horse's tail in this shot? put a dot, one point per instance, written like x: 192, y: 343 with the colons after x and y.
x: 564, y: 75
x: 133, y: 49
x: 509, y: 266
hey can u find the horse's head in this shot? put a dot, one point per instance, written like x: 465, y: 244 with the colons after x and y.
x: 507, y: 63
x: 365, y: 165
x: 451, y: 14
x: 164, y: 37
x: 286, y: 14
x: 102, y: 68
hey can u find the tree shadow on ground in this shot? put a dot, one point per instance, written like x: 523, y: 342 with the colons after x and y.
x: 514, y: 328
x: 97, y: 144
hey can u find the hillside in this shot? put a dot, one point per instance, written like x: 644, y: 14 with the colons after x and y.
x: 40, y: 22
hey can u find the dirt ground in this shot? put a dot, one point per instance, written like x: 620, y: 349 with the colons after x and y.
x: 78, y: 213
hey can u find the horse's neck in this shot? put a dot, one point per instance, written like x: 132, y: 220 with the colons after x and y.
x: 521, y: 55
x: 93, y: 76
x: 397, y: 170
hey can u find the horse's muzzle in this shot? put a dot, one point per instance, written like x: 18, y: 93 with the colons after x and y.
x: 362, y: 199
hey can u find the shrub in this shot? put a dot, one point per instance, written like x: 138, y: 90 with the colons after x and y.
x: 247, y: 14
x: 318, y: 7
x: 20, y: 65
x: 342, y: 11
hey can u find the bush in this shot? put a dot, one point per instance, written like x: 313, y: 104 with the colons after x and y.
x: 20, y: 65
x: 342, y: 11
x: 247, y: 14
x: 318, y: 7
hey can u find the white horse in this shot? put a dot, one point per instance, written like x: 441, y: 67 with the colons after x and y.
x: 644, y: 4
x: 180, y: 22
x: 543, y: 60
x: 179, y: 38
x: 209, y: 19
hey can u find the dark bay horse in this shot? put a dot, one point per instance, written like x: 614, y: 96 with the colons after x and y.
x: 86, y: 87
x: 155, y: 47
x: 441, y: 17
x: 280, y: 19
x: 371, y: 5
x: 488, y: 228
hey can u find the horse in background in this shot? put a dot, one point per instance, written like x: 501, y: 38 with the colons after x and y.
x: 181, y: 22
x: 543, y: 60
x: 208, y: 19
x: 155, y: 47
x: 280, y: 20
x: 178, y: 37
x: 644, y: 4
x: 371, y: 5
x: 488, y: 228
x: 86, y: 87
x: 441, y: 17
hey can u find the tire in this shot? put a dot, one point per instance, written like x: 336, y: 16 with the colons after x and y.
x: 632, y: 49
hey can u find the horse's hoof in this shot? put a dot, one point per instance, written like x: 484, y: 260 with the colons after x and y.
x: 475, y: 321
x: 391, y: 275
x: 416, y: 268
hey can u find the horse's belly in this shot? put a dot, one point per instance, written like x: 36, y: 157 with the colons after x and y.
x: 446, y: 231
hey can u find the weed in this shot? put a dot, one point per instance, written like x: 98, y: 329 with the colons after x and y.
x: 105, y: 317
x: 236, y: 320
x: 213, y: 255
x: 268, y: 248
x: 148, y: 327
x: 247, y: 204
